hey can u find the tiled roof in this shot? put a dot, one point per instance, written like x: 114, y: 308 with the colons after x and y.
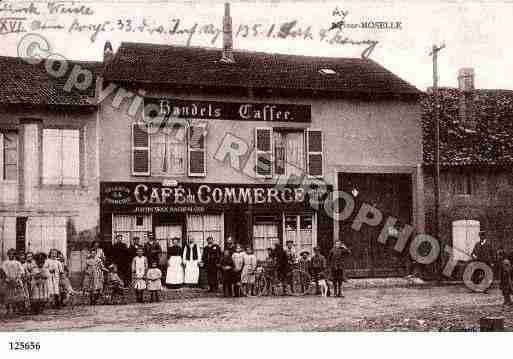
x: 195, y: 66
x: 27, y: 84
x: 490, y: 142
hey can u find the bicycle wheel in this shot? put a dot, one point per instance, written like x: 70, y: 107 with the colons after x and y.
x: 300, y: 282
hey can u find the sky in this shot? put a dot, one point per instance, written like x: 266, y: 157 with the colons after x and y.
x: 475, y: 33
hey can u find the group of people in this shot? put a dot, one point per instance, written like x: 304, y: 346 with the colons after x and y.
x: 30, y: 281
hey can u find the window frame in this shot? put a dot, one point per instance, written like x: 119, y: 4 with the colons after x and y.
x: 2, y: 156
x: 185, y: 171
x: 190, y: 149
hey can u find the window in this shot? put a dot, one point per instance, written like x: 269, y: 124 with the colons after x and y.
x: 289, y: 153
x: 129, y: 226
x: 314, y: 153
x: 202, y: 226
x: 45, y: 233
x: 264, y: 151
x: 462, y: 183
x: 9, y: 155
x: 140, y: 150
x: 300, y: 230
x: 197, y: 151
x: 61, y: 157
x: 265, y: 235
x: 168, y: 151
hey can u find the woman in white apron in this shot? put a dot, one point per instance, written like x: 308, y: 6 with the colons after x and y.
x: 175, y: 275
x: 191, y: 258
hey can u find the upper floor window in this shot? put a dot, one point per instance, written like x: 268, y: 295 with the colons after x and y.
x: 463, y: 183
x: 288, y: 152
x: 172, y: 151
x: 61, y: 156
x: 8, y: 155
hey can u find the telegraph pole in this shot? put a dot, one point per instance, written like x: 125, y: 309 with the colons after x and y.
x: 434, y: 53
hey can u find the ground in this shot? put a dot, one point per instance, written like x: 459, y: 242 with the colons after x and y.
x: 428, y: 308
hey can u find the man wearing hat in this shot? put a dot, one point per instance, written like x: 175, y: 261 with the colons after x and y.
x: 318, y: 264
x: 482, y: 252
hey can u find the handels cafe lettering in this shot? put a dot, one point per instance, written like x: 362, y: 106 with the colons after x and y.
x: 129, y: 195
x: 214, y: 110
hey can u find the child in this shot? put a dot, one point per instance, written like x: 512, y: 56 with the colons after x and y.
x: 139, y: 269
x: 238, y: 261
x: 227, y: 270
x: 304, y: 266
x: 65, y: 289
x: 114, y: 282
x: 55, y: 268
x: 93, y: 276
x: 505, y: 281
x: 39, y: 283
x: 16, y: 295
x: 248, y: 271
x: 154, y: 285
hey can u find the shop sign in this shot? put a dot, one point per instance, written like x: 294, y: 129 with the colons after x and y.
x: 238, y: 111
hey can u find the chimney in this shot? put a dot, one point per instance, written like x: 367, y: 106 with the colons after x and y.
x: 227, y: 36
x: 108, y: 53
x: 466, y: 98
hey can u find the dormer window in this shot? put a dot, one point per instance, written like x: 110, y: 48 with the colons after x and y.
x: 327, y: 71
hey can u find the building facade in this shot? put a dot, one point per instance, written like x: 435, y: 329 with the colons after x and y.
x: 199, y: 142
x: 48, y: 159
x: 475, y: 156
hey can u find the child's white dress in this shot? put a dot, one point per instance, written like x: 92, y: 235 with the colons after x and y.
x: 154, y: 276
x: 53, y: 266
x: 139, y: 268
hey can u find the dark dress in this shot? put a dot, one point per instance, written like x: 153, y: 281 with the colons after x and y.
x: 211, y: 258
x: 227, y: 266
x: 121, y: 258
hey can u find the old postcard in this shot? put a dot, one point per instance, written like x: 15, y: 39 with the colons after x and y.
x: 306, y: 166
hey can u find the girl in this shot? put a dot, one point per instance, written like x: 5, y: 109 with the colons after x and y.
x: 39, y: 283
x: 154, y: 276
x: 227, y: 270
x: 238, y: 261
x: 54, y: 266
x: 93, y: 276
x: 139, y: 269
x: 248, y: 271
x: 14, y: 273
x: 174, y: 277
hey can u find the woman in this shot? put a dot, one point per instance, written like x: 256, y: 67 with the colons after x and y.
x: 16, y: 294
x: 93, y: 276
x: 55, y: 268
x: 39, y: 283
x: 191, y: 258
x: 174, y: 277
x: 100, y: 254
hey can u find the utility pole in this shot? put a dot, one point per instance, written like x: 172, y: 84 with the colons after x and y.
x: 434, y: 53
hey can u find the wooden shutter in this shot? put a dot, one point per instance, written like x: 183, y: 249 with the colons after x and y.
x: 197, y: 151
x: 314, y: 150
x: 2, y: 174
x: 279, y: 153
x: 140, y: 150
x: 264, y: 151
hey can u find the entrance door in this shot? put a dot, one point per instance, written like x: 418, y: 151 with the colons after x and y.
x: 166, y: 232
x: 265, y: 235
x: 391, y: 193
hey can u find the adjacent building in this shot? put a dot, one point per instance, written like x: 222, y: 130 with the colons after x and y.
x: 49, y: 172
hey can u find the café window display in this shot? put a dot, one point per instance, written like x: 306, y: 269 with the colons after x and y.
x: 129, y: 227
x: 202, y: 226
x: 300, y: 229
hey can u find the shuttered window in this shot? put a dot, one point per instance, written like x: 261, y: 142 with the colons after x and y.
x: 9, y: 156
x: 140, y: 150
x: 264, y: 151
x: 61, y: 157
x: 315, y: 153
x: 197, y: 151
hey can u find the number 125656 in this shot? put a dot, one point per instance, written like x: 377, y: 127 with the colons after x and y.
x: 24, y: 346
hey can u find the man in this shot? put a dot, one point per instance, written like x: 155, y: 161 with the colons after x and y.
x: 132, y: 250
x: 282, y: 265
x: 230, y: 245
x: 336, y: 260
x: 121, y: 258
x: 317, y: 266
x: 152, y: 250
x: 482, y: 252
x: 210, y: 259
x: 291, y: 252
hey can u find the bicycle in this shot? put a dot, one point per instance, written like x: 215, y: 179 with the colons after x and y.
x: 268, y: 283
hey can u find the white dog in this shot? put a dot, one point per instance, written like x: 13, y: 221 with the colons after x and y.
x: 323, y: 285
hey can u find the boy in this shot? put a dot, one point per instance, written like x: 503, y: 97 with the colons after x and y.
x: 227, y: 266
x: 318, y: 265
x: 154, y: 285
x: 304, y: 266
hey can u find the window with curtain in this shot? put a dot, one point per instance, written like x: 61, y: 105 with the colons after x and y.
x: 265, y: 235
x: 202, y: 226
x: 289, y: 153
x: 168, y: 151
x: 299, y: 229
x: 130, y: 226
x: 61, y: 157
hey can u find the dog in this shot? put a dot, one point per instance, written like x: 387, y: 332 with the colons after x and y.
x: 323, y: 286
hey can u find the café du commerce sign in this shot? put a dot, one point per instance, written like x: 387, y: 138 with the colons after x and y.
x: 216, y: 110
x: 134, y: 196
